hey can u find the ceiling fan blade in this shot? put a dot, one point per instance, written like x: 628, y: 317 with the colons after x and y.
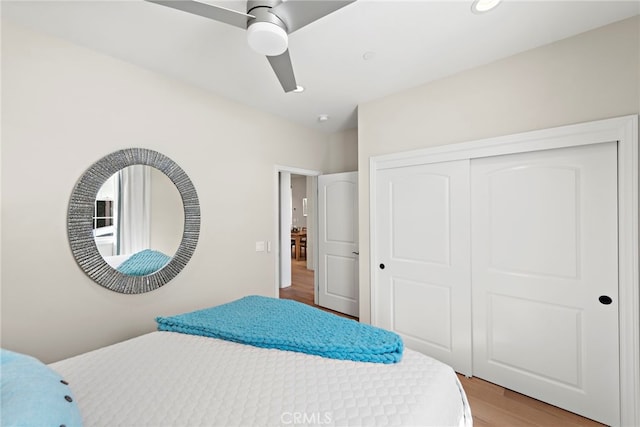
x: 228, y: 16
x: 281, y: 65
x: 298, y: 13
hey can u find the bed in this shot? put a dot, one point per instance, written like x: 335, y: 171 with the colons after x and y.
x: 169, y: 378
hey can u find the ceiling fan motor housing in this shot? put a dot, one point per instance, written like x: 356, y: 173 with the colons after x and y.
x: 261, y: 10
x: 252, y: 4
x: 266, y: 33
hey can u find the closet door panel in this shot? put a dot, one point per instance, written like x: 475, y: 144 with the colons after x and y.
x: 422, y: 241
x: 544, y: 250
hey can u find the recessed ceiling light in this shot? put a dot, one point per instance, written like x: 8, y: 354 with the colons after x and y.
x: 482, y: 6
x: 299, y: 89
x: 323, y: 118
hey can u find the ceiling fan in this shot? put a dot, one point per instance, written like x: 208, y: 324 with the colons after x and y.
x: 268, y: 24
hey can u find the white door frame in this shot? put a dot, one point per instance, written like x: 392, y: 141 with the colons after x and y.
x: 624, y: 130
x: 276, y: 228
x: 285, y: 213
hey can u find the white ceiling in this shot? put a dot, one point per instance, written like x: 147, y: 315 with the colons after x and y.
x: 413, y: 42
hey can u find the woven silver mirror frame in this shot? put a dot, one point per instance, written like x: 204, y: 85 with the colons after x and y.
x: 80, y: 221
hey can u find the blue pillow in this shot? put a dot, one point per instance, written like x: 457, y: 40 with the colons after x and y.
x: 34, y: 395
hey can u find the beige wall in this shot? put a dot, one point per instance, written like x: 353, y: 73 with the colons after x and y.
x: 63, y: 108
x: 298, y: 192
x: 343, y: 151
x: 591, y: 76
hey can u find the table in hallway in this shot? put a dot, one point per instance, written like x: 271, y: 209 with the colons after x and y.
x: 297, y: 237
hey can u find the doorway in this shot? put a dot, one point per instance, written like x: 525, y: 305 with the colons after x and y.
x: 301, y: 284
x: 288, y: 219
x: 296, y: 276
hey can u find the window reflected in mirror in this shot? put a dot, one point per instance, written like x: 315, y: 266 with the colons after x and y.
x: 138, y: 220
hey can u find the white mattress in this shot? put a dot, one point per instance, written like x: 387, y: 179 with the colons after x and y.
x: 115, y: 260
x: 172, y: 379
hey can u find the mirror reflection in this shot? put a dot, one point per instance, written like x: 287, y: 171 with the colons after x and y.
x: 138, y: 220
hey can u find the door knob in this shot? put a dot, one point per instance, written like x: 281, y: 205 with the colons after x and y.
x: 605, y: 299
x: 381, y: 266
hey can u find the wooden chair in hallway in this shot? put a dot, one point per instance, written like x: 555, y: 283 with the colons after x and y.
x: 303, y: 248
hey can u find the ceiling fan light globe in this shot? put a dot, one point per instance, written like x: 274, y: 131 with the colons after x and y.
x: 267, y: 38
x: 482, y: 6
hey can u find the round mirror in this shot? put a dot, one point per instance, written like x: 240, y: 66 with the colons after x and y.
x: 133, y: 220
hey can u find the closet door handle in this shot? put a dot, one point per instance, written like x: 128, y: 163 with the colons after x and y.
x: 381, y: 266
x: 605, y: 299
x: 355, y: 253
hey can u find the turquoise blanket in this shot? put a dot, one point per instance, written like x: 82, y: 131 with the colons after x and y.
x: 144, y: 263
x: 289, y: 325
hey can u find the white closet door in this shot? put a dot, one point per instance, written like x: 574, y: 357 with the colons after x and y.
x: 422, y: 286
x: 544, y: 269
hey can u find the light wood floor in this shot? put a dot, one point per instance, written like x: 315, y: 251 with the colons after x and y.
x: 491, y: 405
x: 301, y: 288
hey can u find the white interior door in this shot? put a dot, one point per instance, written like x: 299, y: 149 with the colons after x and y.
x: 338, y: 242
x: 422, y: 284
x: 544, y: 269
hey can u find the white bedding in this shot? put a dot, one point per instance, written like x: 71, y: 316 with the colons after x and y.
x: 172, y: 379
x: 115, y: 260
